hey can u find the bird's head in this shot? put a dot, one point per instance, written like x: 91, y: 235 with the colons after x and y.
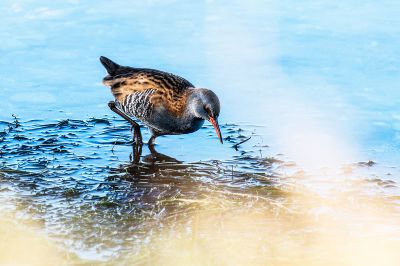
x: 205, y: 105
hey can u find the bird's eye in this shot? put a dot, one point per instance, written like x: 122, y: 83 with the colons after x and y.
x: 207, y: 109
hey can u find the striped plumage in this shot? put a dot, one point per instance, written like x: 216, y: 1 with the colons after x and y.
x: 164, y: 102
x: 139, y: 104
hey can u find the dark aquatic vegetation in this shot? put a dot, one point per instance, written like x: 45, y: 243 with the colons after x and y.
x: 77, y: 177
x: 82, y: 181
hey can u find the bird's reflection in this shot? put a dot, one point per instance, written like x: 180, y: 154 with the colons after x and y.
x: 156, y: 167
x: 156, y: 177
x: 136, y: 153
x: 155, y: 157
x: 152, y: 158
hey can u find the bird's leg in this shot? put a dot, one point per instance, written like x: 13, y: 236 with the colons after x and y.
x: 137, y: 135
x: 136, y: 153
x: 153, y: 151
x: 152, y: 140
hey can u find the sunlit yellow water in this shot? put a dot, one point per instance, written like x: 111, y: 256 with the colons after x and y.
x: 22, y: 244
x: 306, y: 229
x: 340, y: 228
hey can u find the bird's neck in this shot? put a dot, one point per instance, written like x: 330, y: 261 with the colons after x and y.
x: 193, y: 104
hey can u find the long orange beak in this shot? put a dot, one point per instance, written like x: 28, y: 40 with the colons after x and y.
x: 214, y: 122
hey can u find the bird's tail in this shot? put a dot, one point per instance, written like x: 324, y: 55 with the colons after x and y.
x: 109, y: 65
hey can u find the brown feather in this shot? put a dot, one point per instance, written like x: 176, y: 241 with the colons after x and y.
x: 170, y: 91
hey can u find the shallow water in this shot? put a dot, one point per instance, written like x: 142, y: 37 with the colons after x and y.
x: 74, y: 168
x: 313, y: 84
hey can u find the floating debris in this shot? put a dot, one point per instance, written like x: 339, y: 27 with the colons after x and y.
x: 236, y: 146
x: 366, y: 164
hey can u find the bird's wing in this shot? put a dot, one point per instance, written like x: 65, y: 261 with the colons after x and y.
x: 166, y: 89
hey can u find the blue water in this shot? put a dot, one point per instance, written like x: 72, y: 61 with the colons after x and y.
x: 314, y: 83
x: 343, y: 55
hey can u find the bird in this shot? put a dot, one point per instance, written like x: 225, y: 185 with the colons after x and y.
x: 166, y: 103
